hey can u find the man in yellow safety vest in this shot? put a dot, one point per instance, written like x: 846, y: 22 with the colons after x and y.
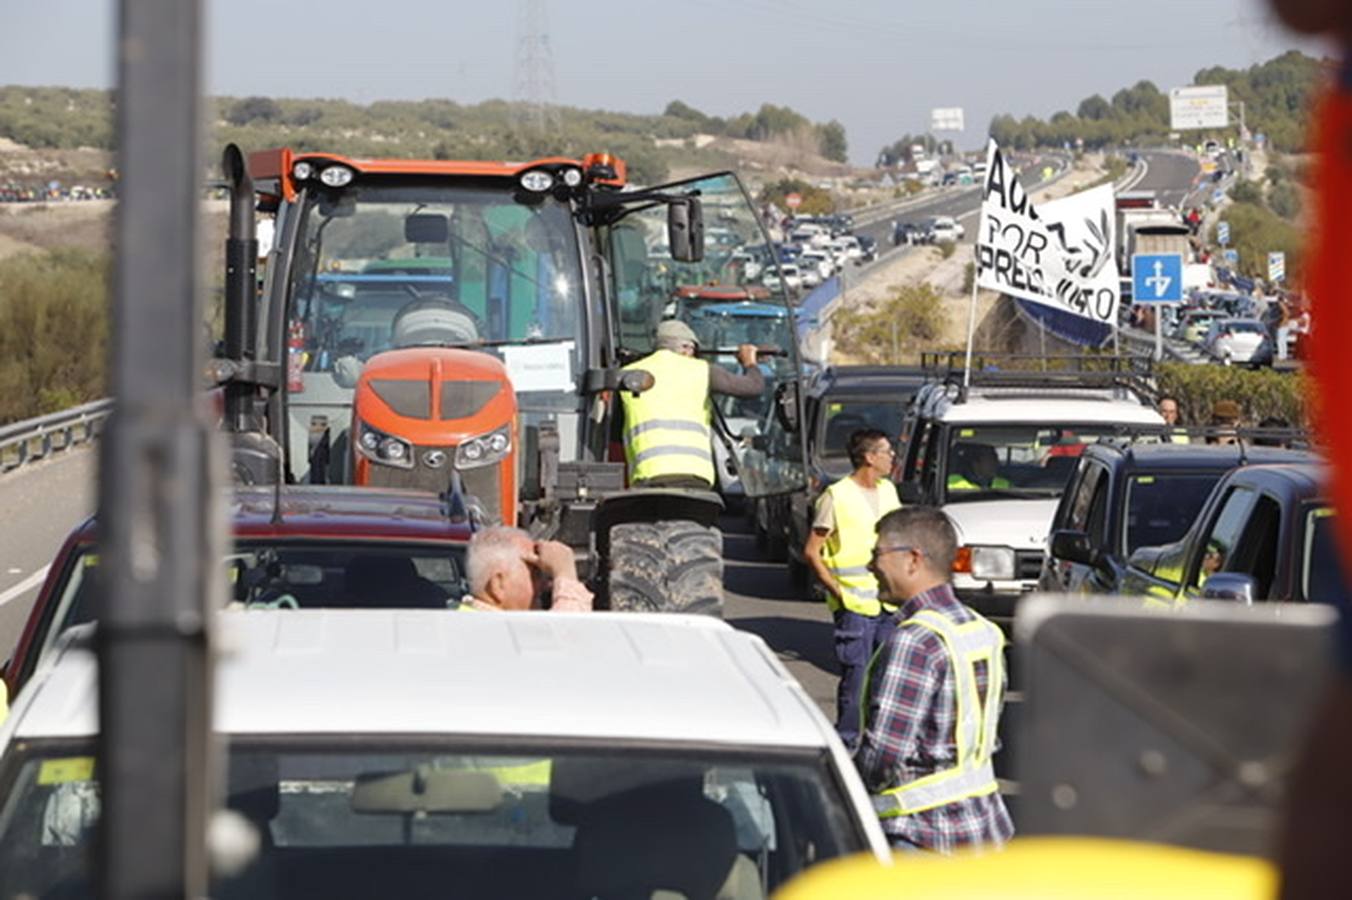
x: 667, y: 427
x: 934, y: 695
x: 976, y: 467
x: 838, y: 549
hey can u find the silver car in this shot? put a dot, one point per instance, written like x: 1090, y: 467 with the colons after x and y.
x: 1243, y: 342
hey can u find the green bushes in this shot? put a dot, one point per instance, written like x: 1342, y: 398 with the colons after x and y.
x: 911, y: 320
x: 53, y: 332
x: 1261, y: 393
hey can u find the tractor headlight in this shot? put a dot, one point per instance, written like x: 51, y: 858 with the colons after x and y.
x: 337, y: 176
x: 537, y: 181
x: 572, y: 177
x: 484, y: 450
x: 302, y: 170
x: 993, y: 563
x: 386, y: 449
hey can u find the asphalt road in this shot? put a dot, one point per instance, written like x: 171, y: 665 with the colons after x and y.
x: 42, y: 503
x: 1170, y: 176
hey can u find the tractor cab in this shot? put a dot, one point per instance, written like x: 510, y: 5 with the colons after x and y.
x: 461, y: 323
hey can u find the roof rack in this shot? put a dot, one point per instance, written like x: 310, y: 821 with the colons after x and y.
x: 1243, y: 436
x: 1123, y: 375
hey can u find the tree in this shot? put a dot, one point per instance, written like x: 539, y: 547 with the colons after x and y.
x: 833, y: 143
x: 1094, y: 108
x: 253, y: 109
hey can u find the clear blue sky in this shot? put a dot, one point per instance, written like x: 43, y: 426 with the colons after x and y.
x: 876, y: 65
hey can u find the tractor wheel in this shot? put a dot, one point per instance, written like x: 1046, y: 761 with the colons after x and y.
x: 669, y: 566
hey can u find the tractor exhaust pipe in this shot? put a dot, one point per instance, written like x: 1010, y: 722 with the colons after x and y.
x: 241, y: 284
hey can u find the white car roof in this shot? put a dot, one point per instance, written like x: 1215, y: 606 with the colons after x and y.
x: 609, y: 676
x: 1025, y: 408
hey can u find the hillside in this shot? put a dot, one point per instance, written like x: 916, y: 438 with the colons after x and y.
x: 1276, y: 95
x: 679, y: 140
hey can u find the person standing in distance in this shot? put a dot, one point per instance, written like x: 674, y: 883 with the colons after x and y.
x: 838, y: 549
x: 667, y: 427
x: 935, y: 692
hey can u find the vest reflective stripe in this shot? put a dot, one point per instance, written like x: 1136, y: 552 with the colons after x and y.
x: 976, y: 722
x: 958, y: 482
x: 667, y: 426
x: 849, y: 548
x: 672, y: 424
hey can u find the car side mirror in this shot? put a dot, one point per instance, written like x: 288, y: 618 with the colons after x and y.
x: 685, y: 229
x: 1074, y: 546
x: 1234, y: 586
x: 786, y: 406
x: 910, y: 493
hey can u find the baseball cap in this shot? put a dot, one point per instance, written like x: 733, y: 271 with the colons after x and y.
x: 676, y: 330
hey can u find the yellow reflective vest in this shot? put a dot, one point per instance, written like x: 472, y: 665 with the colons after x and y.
x: 976, y: 718
x: 667, y: 426
x: 849, y: 549
x: 959, y: 482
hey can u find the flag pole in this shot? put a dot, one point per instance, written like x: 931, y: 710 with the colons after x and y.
x: 971, y: 328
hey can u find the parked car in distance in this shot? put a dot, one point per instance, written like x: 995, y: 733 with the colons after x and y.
x: 945, y: 228
x: 608, y: 755
x: 911, y: 233
x: 1264, y: 534
x: 788, y: 274
x: 1243, y: 342
x: 868, y: 250
x: 1193, y: 324
x: 324, y: 546
x: 1127, y: 495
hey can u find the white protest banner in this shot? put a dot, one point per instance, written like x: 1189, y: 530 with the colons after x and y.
x: 1059, y: 254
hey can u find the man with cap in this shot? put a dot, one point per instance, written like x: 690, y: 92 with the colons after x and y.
x: 667, y: 427
x: 1225, y: 416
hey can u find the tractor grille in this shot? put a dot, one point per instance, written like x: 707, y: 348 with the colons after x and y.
x: 1028, y: 565
x: 485, y: 485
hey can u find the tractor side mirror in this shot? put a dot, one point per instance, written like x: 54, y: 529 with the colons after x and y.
x: 786, y: 406
x: 685, y: 229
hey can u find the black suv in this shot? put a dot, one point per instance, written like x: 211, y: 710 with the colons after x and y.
x: 1265, y: 534
x: 1123, y: 496
x: 838, y: 401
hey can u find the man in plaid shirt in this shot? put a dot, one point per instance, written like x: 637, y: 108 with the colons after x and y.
x: 928, y: 794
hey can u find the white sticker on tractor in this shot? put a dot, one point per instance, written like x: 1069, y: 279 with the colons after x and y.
x: 540, y: 367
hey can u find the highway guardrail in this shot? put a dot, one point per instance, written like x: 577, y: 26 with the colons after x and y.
x: 41, y: 437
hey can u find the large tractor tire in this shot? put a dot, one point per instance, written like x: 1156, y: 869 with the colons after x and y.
x: 667, y: 566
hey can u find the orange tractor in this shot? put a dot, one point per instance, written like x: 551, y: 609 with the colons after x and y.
x: 461, y: 327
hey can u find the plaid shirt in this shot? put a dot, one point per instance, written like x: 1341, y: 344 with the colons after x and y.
x: 909, y: 732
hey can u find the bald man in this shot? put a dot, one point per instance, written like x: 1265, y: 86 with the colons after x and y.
x: 509, y: 571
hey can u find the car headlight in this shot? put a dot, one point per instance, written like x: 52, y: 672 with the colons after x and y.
x: 484, y: 450
x: 386, y: 449
x: 993, y: 563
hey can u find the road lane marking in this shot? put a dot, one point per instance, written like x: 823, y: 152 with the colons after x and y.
x: 24, y: 586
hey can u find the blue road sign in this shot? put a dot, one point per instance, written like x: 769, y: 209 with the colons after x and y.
x: 1223, y: 232
x: 1157, y: 278
x: 1231, y: 257
x: 1217, y: 195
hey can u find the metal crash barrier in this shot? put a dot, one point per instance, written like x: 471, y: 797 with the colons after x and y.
x: 40, y: 437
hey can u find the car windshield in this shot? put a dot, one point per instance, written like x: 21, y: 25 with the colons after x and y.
x: 1031, y: 461
x: 302, y: 575
x: 845, y: 417
x: 383, y: 267
x: 1243, y: 328
x: 1321, y: 574
x: 1161, y: 507
x: 361, y: 817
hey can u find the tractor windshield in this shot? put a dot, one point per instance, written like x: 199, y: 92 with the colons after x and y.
x: 383, y: 267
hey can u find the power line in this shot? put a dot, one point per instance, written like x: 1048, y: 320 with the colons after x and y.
x: 533, y: 71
